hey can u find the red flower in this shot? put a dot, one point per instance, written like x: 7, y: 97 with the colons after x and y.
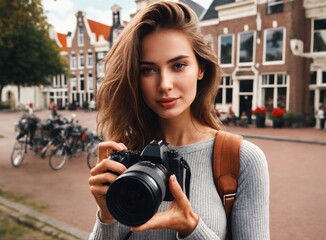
x: 278, y: 112
x: 259, y: 111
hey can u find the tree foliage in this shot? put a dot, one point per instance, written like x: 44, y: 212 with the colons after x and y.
x: 27, y: 53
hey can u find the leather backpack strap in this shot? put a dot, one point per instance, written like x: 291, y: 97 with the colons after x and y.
x: 226, y: 164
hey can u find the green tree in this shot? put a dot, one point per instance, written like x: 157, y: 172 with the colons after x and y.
x: 27, y: 53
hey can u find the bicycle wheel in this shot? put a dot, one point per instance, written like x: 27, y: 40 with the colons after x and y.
x: 92, y: 155
x: 58, y: 157
x: 18, y: 153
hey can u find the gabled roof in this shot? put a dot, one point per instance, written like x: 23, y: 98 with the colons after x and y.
x: 211, y: 12
x: 99, y: 29
x: 198, y: 9
x: 63, y: 41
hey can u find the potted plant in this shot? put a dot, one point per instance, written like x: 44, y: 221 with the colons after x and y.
x: 260, y: 113
x: 277, y: 117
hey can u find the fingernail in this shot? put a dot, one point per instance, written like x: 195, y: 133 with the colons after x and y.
x: 173, y: 178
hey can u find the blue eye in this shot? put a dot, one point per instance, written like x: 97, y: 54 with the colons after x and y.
x: 179, y: 66
x: 147, y: 70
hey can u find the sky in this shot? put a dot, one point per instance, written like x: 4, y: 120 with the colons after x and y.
x: 61, y: 13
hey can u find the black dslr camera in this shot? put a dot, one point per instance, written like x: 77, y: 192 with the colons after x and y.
x: 134, y: 197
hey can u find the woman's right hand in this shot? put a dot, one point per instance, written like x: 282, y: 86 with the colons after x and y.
x: 103, y: 174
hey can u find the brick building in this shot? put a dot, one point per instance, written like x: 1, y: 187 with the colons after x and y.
x: 88, y: 37
x: 57, y: 91
x: 272, y: 52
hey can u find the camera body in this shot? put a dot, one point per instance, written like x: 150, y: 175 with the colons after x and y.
x: 155, y: 153
x: 134, y: 197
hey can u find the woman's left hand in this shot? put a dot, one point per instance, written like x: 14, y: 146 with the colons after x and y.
x: 179, y: 216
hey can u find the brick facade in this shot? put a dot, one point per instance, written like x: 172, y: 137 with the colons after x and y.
x: 287, y: 80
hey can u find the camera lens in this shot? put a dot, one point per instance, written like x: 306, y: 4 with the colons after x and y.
x: 134, y: 197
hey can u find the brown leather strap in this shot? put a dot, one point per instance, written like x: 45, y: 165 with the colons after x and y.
x: 226, y: 163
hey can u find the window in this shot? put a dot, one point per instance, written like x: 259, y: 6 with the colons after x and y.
x: 246, y: 47
x: 274, y: 90
x: 90, y: 82
x: 226, y: 49
x: 274, y: 45
x: 90, y: 59
x: 64, y: 84
x: 73, y: 82
x: 81, y: 82
x: 81, y: 36
x: 319, y: 41
x: 81, y: 60
x: 225, y: 91
x: 313, y: 78
x: 73, y: 62
x: 274, y: 6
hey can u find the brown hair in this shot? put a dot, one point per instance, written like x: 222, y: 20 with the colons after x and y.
x: 123, y: 115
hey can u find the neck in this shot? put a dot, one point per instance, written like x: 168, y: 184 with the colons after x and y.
x: 180, y: 133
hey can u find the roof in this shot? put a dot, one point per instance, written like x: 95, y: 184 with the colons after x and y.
x: 198, y: 9
x: 99, y: 29
x: 211, y: 13
x: 63, y: 41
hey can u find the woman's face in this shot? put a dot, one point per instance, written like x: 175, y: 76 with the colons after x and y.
x: 169, y: 72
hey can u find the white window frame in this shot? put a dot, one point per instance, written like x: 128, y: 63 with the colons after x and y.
x: 232, y: 50
x: 81, y: 59
x: 73, y: 61
x: 224, y: 86
x: 81, y: 79
x: 313, y: 34
x: 283, y: 47
x: 253, y: 49
x: 80, y: 34
x: 90, y: 61
x: 90, y: 82
x: 271, y: 3
x: 275, y: 86
x: 73, y: 82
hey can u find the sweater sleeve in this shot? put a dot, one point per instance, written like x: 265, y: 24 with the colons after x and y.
x: 250, y: 213
x: 104, y: 231
x: 201, y: 232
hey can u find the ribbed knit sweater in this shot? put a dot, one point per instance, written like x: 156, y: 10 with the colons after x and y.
x: 250, y: 212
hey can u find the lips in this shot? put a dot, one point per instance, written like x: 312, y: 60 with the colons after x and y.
x: 167, y: 102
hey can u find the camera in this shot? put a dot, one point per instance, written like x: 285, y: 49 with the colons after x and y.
x: 135, y: 196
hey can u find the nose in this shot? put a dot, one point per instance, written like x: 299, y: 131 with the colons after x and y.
x: 165, y: 81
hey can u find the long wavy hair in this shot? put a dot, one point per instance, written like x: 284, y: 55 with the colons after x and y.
x: 123, y: 115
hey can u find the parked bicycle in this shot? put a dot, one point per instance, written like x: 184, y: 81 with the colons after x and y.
x: 26, y: 138
x: 92, y: 152
x: 71, y: 141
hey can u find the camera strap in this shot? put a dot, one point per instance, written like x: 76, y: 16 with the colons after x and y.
x: 187, y: 177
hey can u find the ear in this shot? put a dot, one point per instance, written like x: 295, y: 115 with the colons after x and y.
x: 201, y: 73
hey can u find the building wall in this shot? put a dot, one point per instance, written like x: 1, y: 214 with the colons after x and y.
x: 80, y: 95
x: 296, y: 68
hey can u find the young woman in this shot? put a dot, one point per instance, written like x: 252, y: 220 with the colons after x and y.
x: 161, y: 82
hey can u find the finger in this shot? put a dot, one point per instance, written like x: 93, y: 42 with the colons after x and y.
x: 106, y: 148
x: 108, y: 165
x: 176, y: 190
x: 159, y: 220
x: 101, y: 179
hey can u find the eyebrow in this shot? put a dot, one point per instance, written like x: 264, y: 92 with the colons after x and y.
x: 169, y: 61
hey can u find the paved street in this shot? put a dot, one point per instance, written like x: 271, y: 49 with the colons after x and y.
x: 298, y: 195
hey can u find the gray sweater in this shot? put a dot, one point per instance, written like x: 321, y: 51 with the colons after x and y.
x: 250, y: 213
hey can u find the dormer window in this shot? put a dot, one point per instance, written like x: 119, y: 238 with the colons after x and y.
x: 80, y: 35
x: 274, y: 6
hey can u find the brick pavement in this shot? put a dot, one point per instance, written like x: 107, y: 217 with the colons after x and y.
x: 296, y: 184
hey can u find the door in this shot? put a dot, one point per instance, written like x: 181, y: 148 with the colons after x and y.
x: 245, y: 104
